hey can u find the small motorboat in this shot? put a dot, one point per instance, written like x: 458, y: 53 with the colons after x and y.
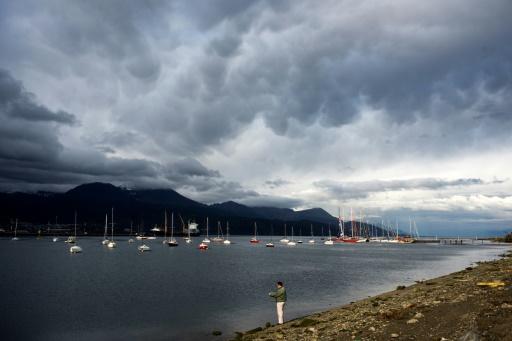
x: 269, y: 244
x: 70, y: 240
x: 112, y: 244
x: 144, y: 248
x: 203, y: 246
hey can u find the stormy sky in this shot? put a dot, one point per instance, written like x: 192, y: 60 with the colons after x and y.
x: 397, y: 108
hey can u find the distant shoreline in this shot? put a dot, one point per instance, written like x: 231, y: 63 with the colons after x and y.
x: 451, y: 307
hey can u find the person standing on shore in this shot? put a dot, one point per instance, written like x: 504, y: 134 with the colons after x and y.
x: 280, y: 296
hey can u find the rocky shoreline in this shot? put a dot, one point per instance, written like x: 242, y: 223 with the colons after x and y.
x: 473, y: 304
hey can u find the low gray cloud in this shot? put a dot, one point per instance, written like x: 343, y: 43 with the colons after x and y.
x: 356, y: 190
x: 276, y: 183
x: 272, y: 201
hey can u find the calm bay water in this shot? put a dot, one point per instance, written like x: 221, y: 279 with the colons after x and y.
x: 183, y: 293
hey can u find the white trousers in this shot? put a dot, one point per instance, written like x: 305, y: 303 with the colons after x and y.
x: 280, y: 308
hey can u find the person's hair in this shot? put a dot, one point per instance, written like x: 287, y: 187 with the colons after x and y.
x: 280, y: 283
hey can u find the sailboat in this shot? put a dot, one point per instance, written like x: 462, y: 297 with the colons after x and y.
x: 188, y: 240
x: 352, y: 239
x: 271, y: 244
x: 219, y: 238
x: 329, y: 241
x: 207, y: 239
x: 71, y: 239
x: 15, y: 231
x: 284, y: 240
x: 75, y: 248
x: 112, y: 244
x: 291, y: 242
x: 254, y: 240
x: 131, y: 233
x: 172, y: 242
x: 55, y: 238
x: 312, y: 240
x: 165, y: 241
x: 105, y: 239
x: 300, y: 236
x: 227, y: 241
x: 143, y: 247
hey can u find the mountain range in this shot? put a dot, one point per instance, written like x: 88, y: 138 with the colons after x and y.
x: 144, y: 208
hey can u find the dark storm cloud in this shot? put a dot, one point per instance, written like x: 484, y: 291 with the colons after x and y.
x: 291, y: 61
x: 17, y: 103
x: 175, y: 80
x: 31, y: 153
x: 32, y: 157
x: 302, y: 64
x: 355, y: 190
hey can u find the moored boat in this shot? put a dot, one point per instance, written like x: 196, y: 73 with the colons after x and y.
x: 15, y: 231
x: 254, y: 239
x: 227, y: 241
x: 75, y: 248
x: 143, y: 248
x: 207, y: 239
x: 112, y: 244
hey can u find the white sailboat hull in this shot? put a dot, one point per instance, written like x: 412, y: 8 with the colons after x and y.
x: 75, y: 249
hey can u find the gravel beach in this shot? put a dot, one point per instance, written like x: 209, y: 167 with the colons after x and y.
x: 472, y: 304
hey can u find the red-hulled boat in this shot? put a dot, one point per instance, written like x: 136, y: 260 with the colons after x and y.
x: 203, y: 246
x: 350, y: 240
x: 254, y: 240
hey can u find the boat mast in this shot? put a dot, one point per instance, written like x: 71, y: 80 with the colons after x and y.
x: 165, y: 224
x: 343, y: 222
x: 112, y: 223
x: 172, y: 225
x: 352, y: 222
x: 207, y: 236
x: 106, y: 226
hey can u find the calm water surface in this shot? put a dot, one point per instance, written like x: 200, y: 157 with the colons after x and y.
x: 183, y: 293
